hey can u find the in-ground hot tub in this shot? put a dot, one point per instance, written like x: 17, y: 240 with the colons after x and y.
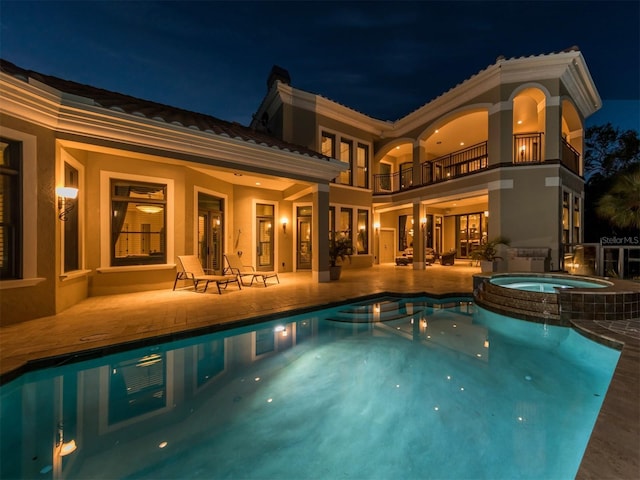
x: 547, y: 283
x: 556, y: 298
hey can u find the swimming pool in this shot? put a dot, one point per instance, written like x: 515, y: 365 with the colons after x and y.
x: 389, y: 388
x: 546, y: 284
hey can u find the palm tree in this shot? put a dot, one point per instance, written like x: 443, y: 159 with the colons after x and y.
x: 621, y: 205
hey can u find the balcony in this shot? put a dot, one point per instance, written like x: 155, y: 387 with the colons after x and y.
x: 453, y: 165
x: 527, y: 149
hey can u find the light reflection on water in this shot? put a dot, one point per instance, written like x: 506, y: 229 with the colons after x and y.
x: 385, y: 389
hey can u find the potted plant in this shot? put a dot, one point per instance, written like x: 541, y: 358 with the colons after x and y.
x: 340, y: 248
x: 487, y: 254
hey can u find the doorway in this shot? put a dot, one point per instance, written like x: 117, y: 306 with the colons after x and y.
x: 304, y: 247
x: 387, y: 246
x: 264, y: 237
x: 210, y: 234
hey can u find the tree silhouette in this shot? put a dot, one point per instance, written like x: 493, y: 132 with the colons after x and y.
x: 621, y: 205
x: 610, y: 154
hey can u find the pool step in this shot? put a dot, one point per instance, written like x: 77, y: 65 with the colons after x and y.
x: 380, y: 311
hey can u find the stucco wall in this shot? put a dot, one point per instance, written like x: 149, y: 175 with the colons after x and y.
x: 27, y: 302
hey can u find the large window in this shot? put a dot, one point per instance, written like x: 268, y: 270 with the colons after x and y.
x: 346, y: 153
x: 362, y: 166
x: 576, y: 219
x: 351, y: 151
x: 565, y: 217
x: 138, y: 219
x: 328, y: 146
x: 10, y: 209
x: 362, y: 242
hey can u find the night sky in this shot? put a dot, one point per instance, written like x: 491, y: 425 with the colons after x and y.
x: 384, y: 59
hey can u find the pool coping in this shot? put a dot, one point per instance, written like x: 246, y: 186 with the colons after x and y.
x: 118, y: 347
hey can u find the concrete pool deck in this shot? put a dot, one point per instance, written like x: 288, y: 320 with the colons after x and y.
x: 100, y: 324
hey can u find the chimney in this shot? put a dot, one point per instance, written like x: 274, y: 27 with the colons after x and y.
x: 278, y: 73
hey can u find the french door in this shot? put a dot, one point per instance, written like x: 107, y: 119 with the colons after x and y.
x: 264, y: 237
x: 304, y: 248
x: 210, y: 234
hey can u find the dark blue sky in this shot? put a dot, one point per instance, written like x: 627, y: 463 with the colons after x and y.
x: 384, y: 59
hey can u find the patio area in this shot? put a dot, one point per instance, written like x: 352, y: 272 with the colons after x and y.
x: 105, y: 324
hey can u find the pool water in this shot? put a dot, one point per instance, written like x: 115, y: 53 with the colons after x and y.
x: 390, y: 388
x: 542, y: 284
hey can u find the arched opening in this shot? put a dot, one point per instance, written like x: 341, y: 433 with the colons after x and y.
x: 528, y: 125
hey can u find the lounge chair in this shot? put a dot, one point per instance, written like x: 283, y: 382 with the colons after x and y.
x: 192, y: 270
x: 236, y: 267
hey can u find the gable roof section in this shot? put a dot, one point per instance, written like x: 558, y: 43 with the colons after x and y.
x: 568, y: 65
x: 156, y: 111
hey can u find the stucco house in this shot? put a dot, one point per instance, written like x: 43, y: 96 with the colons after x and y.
x: 101, y: 191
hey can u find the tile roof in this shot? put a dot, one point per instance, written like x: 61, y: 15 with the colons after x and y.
x: 157, y: 111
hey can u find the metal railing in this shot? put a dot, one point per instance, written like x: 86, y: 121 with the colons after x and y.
x: 449, y: 166
x: 570, y: 157
x: 455, y: 164
x: 527, y: 147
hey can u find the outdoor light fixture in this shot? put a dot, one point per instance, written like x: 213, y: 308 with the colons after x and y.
x: 149, y: 208
x: 284, y: 221
x: 64, y: 206
x: 65, y: 448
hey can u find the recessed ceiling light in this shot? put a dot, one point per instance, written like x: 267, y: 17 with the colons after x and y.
x: 258, y: 183
x: 519, y: 122
x: 437, y: 130
x: 461, y: 143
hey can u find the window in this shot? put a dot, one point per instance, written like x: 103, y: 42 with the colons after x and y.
x: 576, y: 219
x: 346, y: 154
x: 138, y: 219
x: 346, y: 218
x: 565, y: 217
x: 70, y: 225
x: 362, y: 166
x: 362, y: 242
x: 405, y: 232
x: 10, y: 209
x: 328, y: 146
x: 353, y: 152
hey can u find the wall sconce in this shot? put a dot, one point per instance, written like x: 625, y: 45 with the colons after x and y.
x: 486, y: 213
x: 284, y: 221
x: 64, y: 206
x: 423, y: 222
x: 376, y: 226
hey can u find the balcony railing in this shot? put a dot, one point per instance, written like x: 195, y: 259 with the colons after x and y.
x: 570, y: 157
x: 527, y: 147
x: 454, y: 165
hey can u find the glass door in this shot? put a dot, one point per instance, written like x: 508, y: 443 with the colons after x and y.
x: 210, y: 235
x: 304, y: 238
x: 470, y: 233
x: 264, y: 237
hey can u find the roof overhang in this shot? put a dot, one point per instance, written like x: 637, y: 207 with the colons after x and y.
x: 77, y: 117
